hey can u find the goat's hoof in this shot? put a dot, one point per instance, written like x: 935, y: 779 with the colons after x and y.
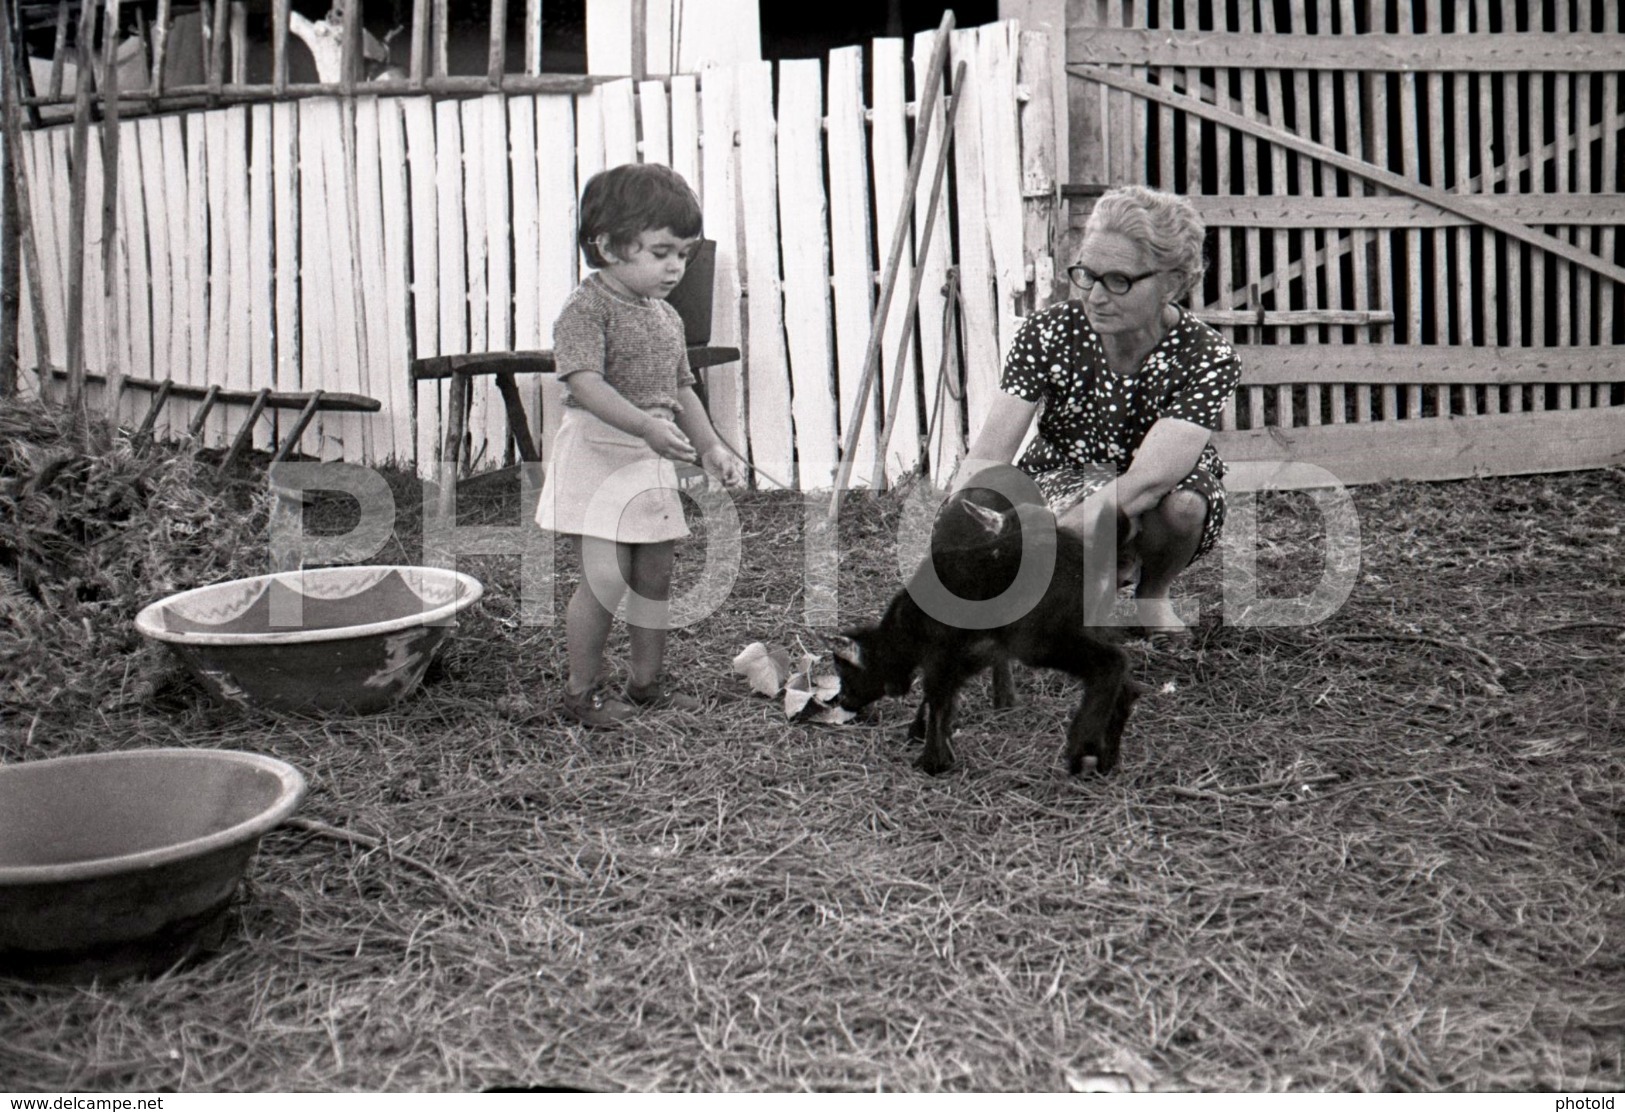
x: 1003, y: 700
x: 932, y: 765
x: 916, y: 734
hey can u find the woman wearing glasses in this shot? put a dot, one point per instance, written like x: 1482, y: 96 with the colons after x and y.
x: 1128, y: 386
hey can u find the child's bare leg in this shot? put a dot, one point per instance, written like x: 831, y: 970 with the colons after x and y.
x: 648, y: 610
x: 587, y: 620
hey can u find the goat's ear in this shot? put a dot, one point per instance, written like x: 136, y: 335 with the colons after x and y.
x: 848, y: 649
x: 992, y: 521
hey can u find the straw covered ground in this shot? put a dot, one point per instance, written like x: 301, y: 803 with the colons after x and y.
x: 1379, y: 852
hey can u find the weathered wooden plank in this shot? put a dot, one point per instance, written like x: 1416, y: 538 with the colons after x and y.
x: 499, y: 243
x: 772, y: 433
x: 483, y: 423
x: 1431, y: 449
x: 1429, y: 364
x: 348, y: 369
x: 1508, y: 52
x: 685, y: 128
x: 261, y: 277
x: 941, y: 391
x: 851, y: 248
x: 890, y: 154
x: 1584, y: 209
x: 135, y: 251
x: 422, y: 161
x: 589, y: 134
x: 984, y: 347
x: 655, y: 146
x: 319, y: 344
x: 1038, y: 177
x: 285, y: 194
x: 42, y: 188
x: 373, y: 279
x: 998, y: 48
x: 153, y: 209
x: 237, y: 372
x: 522, y: 143
x: 557, y: 191
x: 806, y: 270
x: 392, y: 161
x: 719, y: 120
x: 617, y: 102
x: 197, y: 266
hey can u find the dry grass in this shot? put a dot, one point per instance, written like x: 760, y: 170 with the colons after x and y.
x: 1378, y: 853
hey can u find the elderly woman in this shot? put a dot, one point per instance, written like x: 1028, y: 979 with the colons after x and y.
x: 1128, y: 386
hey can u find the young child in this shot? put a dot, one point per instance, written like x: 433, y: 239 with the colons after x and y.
x: 630, y: 414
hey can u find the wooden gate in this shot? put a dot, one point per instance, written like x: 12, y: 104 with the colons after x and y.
x: 1414, y: 217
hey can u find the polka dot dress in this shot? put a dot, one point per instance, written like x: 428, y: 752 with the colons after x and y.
x: 1093, y: 419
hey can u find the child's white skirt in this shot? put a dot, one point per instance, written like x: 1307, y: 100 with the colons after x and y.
x: 602, y: 482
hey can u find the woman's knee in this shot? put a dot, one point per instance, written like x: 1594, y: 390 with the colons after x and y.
x: 1180, y: 513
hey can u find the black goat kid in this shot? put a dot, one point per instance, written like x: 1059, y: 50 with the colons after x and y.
x: 976, y: 558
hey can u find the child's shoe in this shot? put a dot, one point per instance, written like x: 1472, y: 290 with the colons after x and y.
x: 658, y: 695
x: 595, y: 708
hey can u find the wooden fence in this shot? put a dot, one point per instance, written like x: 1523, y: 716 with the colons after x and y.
x: 1414, y: 214
x: 324, y: 242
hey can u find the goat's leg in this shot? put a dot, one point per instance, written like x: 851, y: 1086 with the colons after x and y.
x: 1004, y: 686
x: 916, y: 728
x: 1104, y: 671
x: 942, y: 681
x: 1111, y: 739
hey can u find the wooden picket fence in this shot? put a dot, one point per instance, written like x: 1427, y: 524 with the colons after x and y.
x: 1414, y: 217
x: 325, y: 242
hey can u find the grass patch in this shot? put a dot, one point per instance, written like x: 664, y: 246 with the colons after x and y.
x: 1382, y: 852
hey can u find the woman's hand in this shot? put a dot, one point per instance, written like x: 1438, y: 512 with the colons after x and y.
x: 665, y: 439
x: 722, y: 465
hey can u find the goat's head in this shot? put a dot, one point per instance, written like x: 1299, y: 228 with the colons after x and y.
x: 867, y: 669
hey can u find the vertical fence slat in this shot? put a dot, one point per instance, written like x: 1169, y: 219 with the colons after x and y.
x: 620, y: 123
x: 1325, y: 185
x: 261, y: 277
x: 236, y: 373
x: 772, y: 435
x: 888, y: 138
x: 1038, y: 161
x: 940, y: 385
x: 979, y: 311
x: 655, y: 118
x: 802, y: 205
x: 422, y: 162
x: 451, y: 289
x: 476, y: 167
x: 1612, y: 86
x: 37, y: 159
x: 1251, y: 156
x: 589, y: 134
x: 154, y: 212
x: 527, y: 262
x: 318, y: 344
x: 136, y: 273
x: 851, y: 249
x: 498, y: 334
x: 719, y: 122
x: 685, y: 129
x: 349, y: 369
x: 997, y: 50
x: 395, y: 390
x: 95, y: 328
x: 197, y: 264
x: 557, y: 192
x: 372, y: 280
x: 1438, y: 239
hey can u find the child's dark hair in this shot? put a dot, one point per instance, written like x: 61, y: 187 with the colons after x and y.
x: 626, y: 201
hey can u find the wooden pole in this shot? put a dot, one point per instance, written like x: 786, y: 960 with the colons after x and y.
x: 217, y: 45
x: 418, y: 63
x: 442, y: 30
x: 76, y: 215
x: 279, y: 45
x: 919, y: 275
x: 916, y: 164
x: 114, y: 368
x: 24, y: 227
x: 59, y: 55
x: 497, y: 59
x: 533, y: 36
x: 640, y: 39
x: 160, y: 47
x: 350, y: 44
x: 239, y: 42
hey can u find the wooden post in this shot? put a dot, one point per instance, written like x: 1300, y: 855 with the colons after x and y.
x: 418, y: 63
x: 239, y: 42
x: 217, y: 45
x: 640, y: 39
x: 349, y: 45
x: 442, y: 25
x: 59, y: 53
x: 76, y: 214
x: 114, y: 370
x: 18, y: 174
x: 533, y: 36
x: 497, y: 60
x: 160, y: 45
x: 916, y: 163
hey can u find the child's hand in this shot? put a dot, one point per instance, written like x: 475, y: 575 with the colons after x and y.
x: 667, y: 440
x: 722, y: 465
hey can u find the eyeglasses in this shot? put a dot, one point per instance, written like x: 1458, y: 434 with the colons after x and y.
x: 1115, y: 281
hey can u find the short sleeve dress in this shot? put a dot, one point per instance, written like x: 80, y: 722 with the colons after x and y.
x: 1093, y: 420
x: 600, y: 481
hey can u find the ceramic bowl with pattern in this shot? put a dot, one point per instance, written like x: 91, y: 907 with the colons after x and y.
x: 348, y: 639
